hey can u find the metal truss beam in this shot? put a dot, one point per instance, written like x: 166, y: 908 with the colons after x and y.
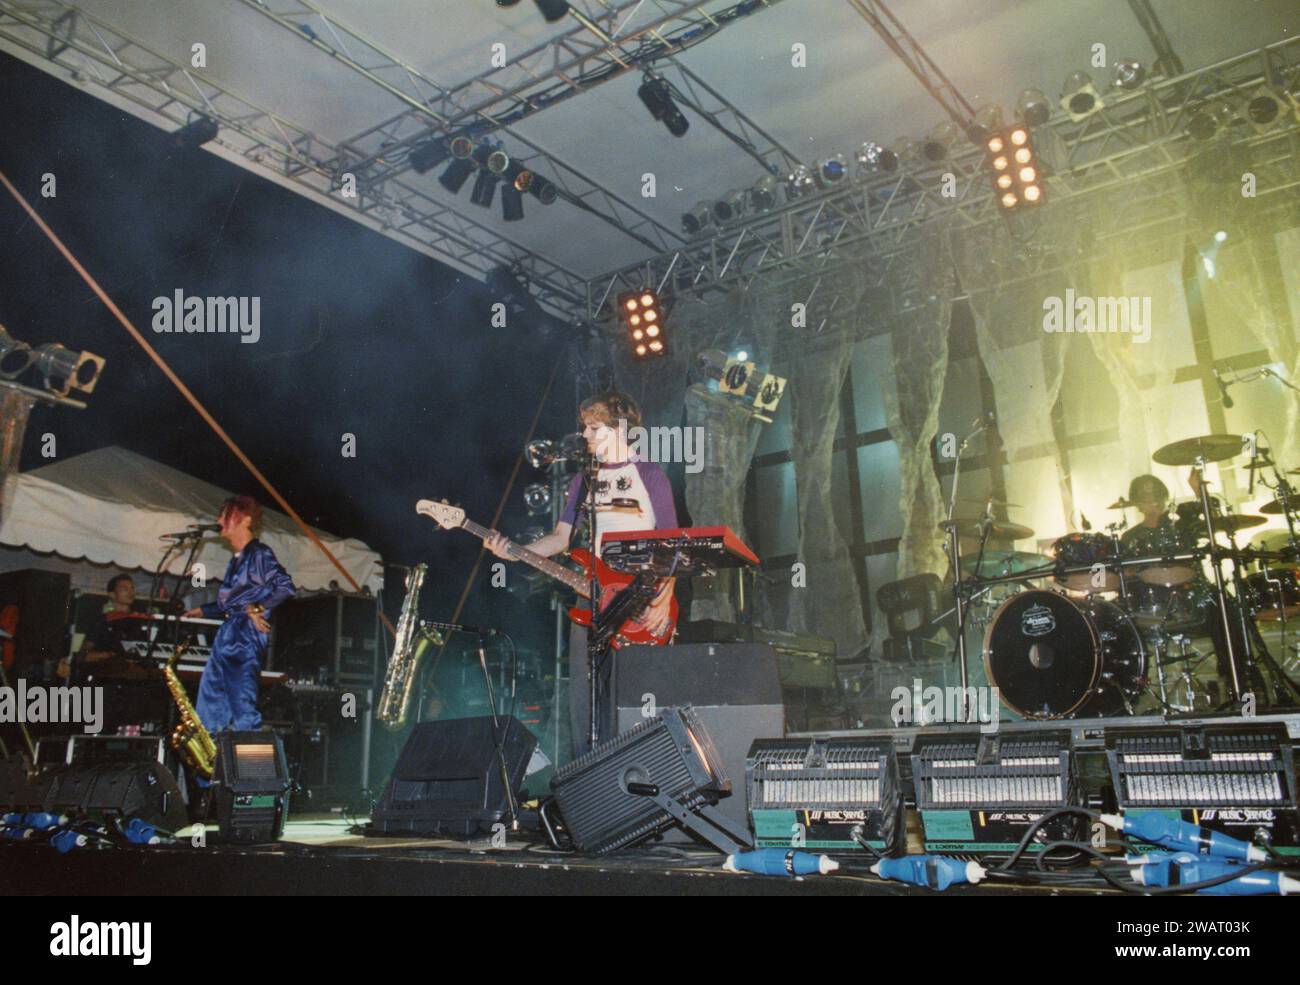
x: 1137, y: 138
x: 377, y: 150
x: 167, y: 94
x: 599, y: 48
x: 920, y: 64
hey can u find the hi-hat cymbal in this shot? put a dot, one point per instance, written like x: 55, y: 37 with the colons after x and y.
x: 986, y: 499
x: 1207, y: 447
x: 1121, y: 504
x: 998, y: 529
x: 1004, y: 562
x: 1275, y: 508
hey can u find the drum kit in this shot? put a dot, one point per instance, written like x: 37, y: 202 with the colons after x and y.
x: 1115, y: 633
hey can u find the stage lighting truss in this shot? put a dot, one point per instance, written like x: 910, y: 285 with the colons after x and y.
x: 643, y: 317
x: 1014, y: 168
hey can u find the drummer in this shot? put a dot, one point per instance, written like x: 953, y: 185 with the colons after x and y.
x: 1157, y: 528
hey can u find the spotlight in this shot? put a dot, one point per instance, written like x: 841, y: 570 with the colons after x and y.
x: 75, y: 370
x: 537, y: 497
x: 453, y: 179
x: 1015, y: 184
x: 640, y: 311
x: 15, y: 356
x: 195, y: 133
x: 1033, y: 107
x: 1079, y: 97
x: 427, y: 155
x: 1207, y: 121
x: 552, y: 10
x: 497, y: 162
x: 540, y: 452
x: 871, y: 158
x: 485, y: 186
x: 764, y: 195
x: 542, y: 189
x: 462, y: 148
x: 988, y: 118
x: 657, y: 95
x: 730, y: 207
x: 1265, y: 109
x: 512, y: 203
x: 799, y: 182
x: 1129, y: 73
x: 831, y: 171
x: 908, y: 152
x: 698, y: 218
x: 939, y: 143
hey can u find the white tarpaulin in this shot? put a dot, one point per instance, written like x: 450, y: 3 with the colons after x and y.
x: 111, y: 506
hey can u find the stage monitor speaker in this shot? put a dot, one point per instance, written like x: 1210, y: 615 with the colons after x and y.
x: 104, y: 791
x: 734, y: 688
x: 448, y: 778
x: 250, y: 787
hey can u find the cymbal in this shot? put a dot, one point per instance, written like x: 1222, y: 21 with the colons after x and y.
x: 1275, y: 508
x: 1271, y: 540
x: 986, y: 499
x: 1004, y: 562
x: 1228, y: 524
x: 1121, y: 504
x: 998, y: 529
x: 1210, y: 447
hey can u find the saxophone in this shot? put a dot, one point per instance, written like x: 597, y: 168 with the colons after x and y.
x: 408, y: 650
x: 190, y: 739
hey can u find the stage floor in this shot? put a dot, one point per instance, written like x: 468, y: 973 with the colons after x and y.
x: 323, y: 856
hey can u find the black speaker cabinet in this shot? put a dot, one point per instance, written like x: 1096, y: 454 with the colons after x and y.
x: 44, y: 600
x: 250, y: 787
x: 102, y: 791
x: 328, y: 638
x: 734, y: 688
x: 448, y: 781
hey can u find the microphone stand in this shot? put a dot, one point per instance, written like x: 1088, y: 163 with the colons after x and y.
x: 1216, y: 564
x: 593, y: 585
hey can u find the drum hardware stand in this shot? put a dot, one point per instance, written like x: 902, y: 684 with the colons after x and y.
x: 1114, y: 529
x: 1216, y: 562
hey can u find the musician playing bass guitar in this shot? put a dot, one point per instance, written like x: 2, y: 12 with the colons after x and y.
x: 630, y: 495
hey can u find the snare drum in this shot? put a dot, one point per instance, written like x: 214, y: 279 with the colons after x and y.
x: 1086, y: 550
x: 1172, y: 608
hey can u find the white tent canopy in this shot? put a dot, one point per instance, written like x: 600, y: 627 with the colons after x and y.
x: 111, y: 506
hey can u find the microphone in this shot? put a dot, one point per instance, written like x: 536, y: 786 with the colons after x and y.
x: 1223, y: 390
x: 194, y: 530
x: 457, y: 627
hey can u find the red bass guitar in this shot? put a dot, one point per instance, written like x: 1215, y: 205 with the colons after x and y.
x: 611, y: 582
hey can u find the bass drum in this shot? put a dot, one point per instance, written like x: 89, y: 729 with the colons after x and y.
x: 1056, y: 657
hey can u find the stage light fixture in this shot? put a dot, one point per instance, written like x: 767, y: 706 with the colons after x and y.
x: 462, y: 148
x: 456, y: 174
x: 1079, y: 97
x: 512, y: 203
x: 1033, y: 108
x: 485, y: 186
x: 427, y: 155
x: 987, y: 119
x: 656, y: 94
x: 542, y: 189
x: 939, y: 144
x: 640, y: 311
x: 831, y: 171
x: 537, y: 498
x: 908, y: 152
x: 730, y: 207
x: 498, y: 161
x: 1266, y: 109
x: 799, y: 182
x: 764, y: 196
x: 699, y: 218
x: 1129, y: 73
x: 66, y: 370
x: 540, y: 452
x: 1015, y: 184
x: 552, y: 10
x: 1209, y: 119
x: 196, y: 132
x: 15, y: 356
x: 872, y: 158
